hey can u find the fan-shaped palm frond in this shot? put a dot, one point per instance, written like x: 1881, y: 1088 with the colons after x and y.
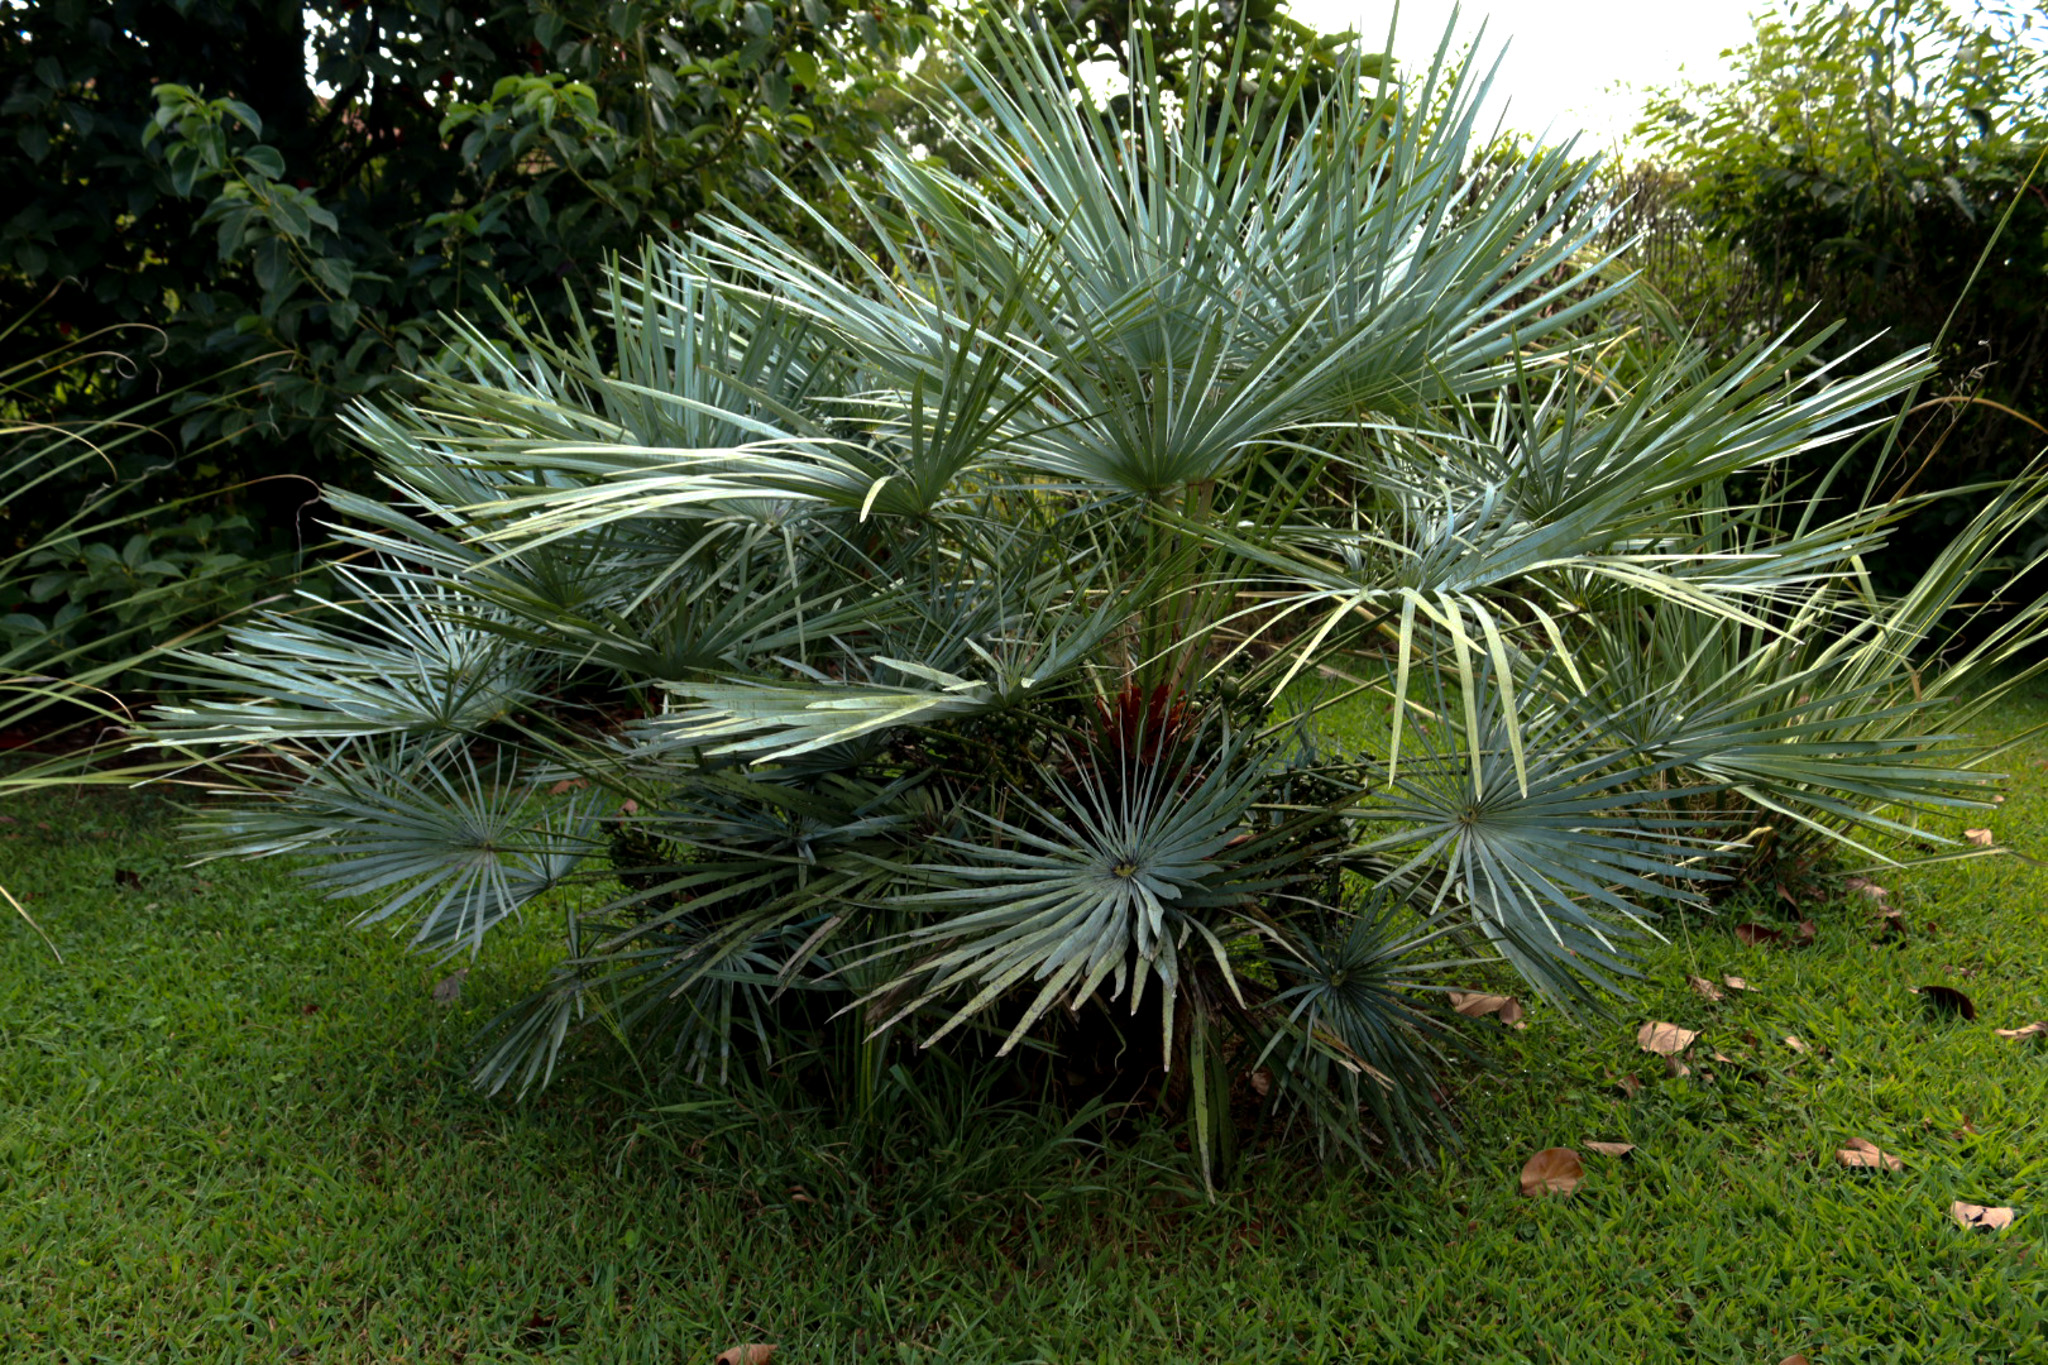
x: 1106, y: 888
x: 396, y: 660
x: 432, y: 836
x: 1558, y: 869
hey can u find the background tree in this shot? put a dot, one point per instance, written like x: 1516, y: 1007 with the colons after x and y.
x: 310, y: 186
x: 1856, y: 167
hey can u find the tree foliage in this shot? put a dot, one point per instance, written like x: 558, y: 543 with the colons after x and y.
x: 1858, y: 166
x: 304, y: 189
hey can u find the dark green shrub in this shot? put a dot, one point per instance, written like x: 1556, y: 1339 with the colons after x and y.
x: 1856, y: 171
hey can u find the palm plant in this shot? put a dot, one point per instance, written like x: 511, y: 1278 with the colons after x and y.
x: 915, y: 643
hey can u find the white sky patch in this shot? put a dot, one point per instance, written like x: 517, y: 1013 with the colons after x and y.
x: 1579, y: 67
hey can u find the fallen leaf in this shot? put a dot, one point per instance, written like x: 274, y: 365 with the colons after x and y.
x: 1664, y: 1039
x: 1863, y: 886
x: 1611, y: 1148
x: 2037, y: 1029
x: 753, y: 1353
x: 1262, y: 1081
x: 1891, y: 925
x: 1554, y: 1170
x: 1792, y: 1041
x: 1758, y: 935
x: 1736, y: 983
x: 1807, y: 932
x: 1795, y: 1360
x: 1978, y: 1216
x: 566, y: 785
x: 1705, y: 988
x: 1628, y: 1085
x: 632, y: 807
x: 1474, y: 1006
x: 1947, y: 1000
x: 448, y: 989
x: 124, y: 877
x: 1999, y: 799
x: 1673, y: 1066
x: 1861, y: 1155
x: 1980, y: 837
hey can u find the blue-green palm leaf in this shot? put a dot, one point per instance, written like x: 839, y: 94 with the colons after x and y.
x: 1107, y: 890
x: 1558, y: 871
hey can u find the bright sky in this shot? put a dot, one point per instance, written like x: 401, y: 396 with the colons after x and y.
x: 1571, y: 65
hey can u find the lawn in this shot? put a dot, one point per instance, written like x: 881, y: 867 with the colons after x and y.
x: 233, y: 1128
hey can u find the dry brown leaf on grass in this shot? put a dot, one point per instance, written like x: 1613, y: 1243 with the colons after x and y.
x: 1736, y: 983
x: 1616, y: 1149
x: 1475, y: 1006
x: 1674, y: 1066
x: 1758, y: 935
x: 1554, y: 1170
x: 1860, y: 1155
x: 1980, y: 837
x: 1795, y: 1360
x: 1863, y: 886
x: 1792, y: 1040
x: 753, y: 1353
x: 1978, y: 1216
x: 1704, y: 988
x: 1947, y: 1000
x: 1665, y: 1039
x: 448, y: 989
x: 1806, y: 933
x: 2037, y: 1029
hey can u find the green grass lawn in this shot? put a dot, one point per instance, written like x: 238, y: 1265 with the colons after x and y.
x: 234, y: 1129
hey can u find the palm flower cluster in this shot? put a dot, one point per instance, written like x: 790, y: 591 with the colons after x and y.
x: 935, y: 646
